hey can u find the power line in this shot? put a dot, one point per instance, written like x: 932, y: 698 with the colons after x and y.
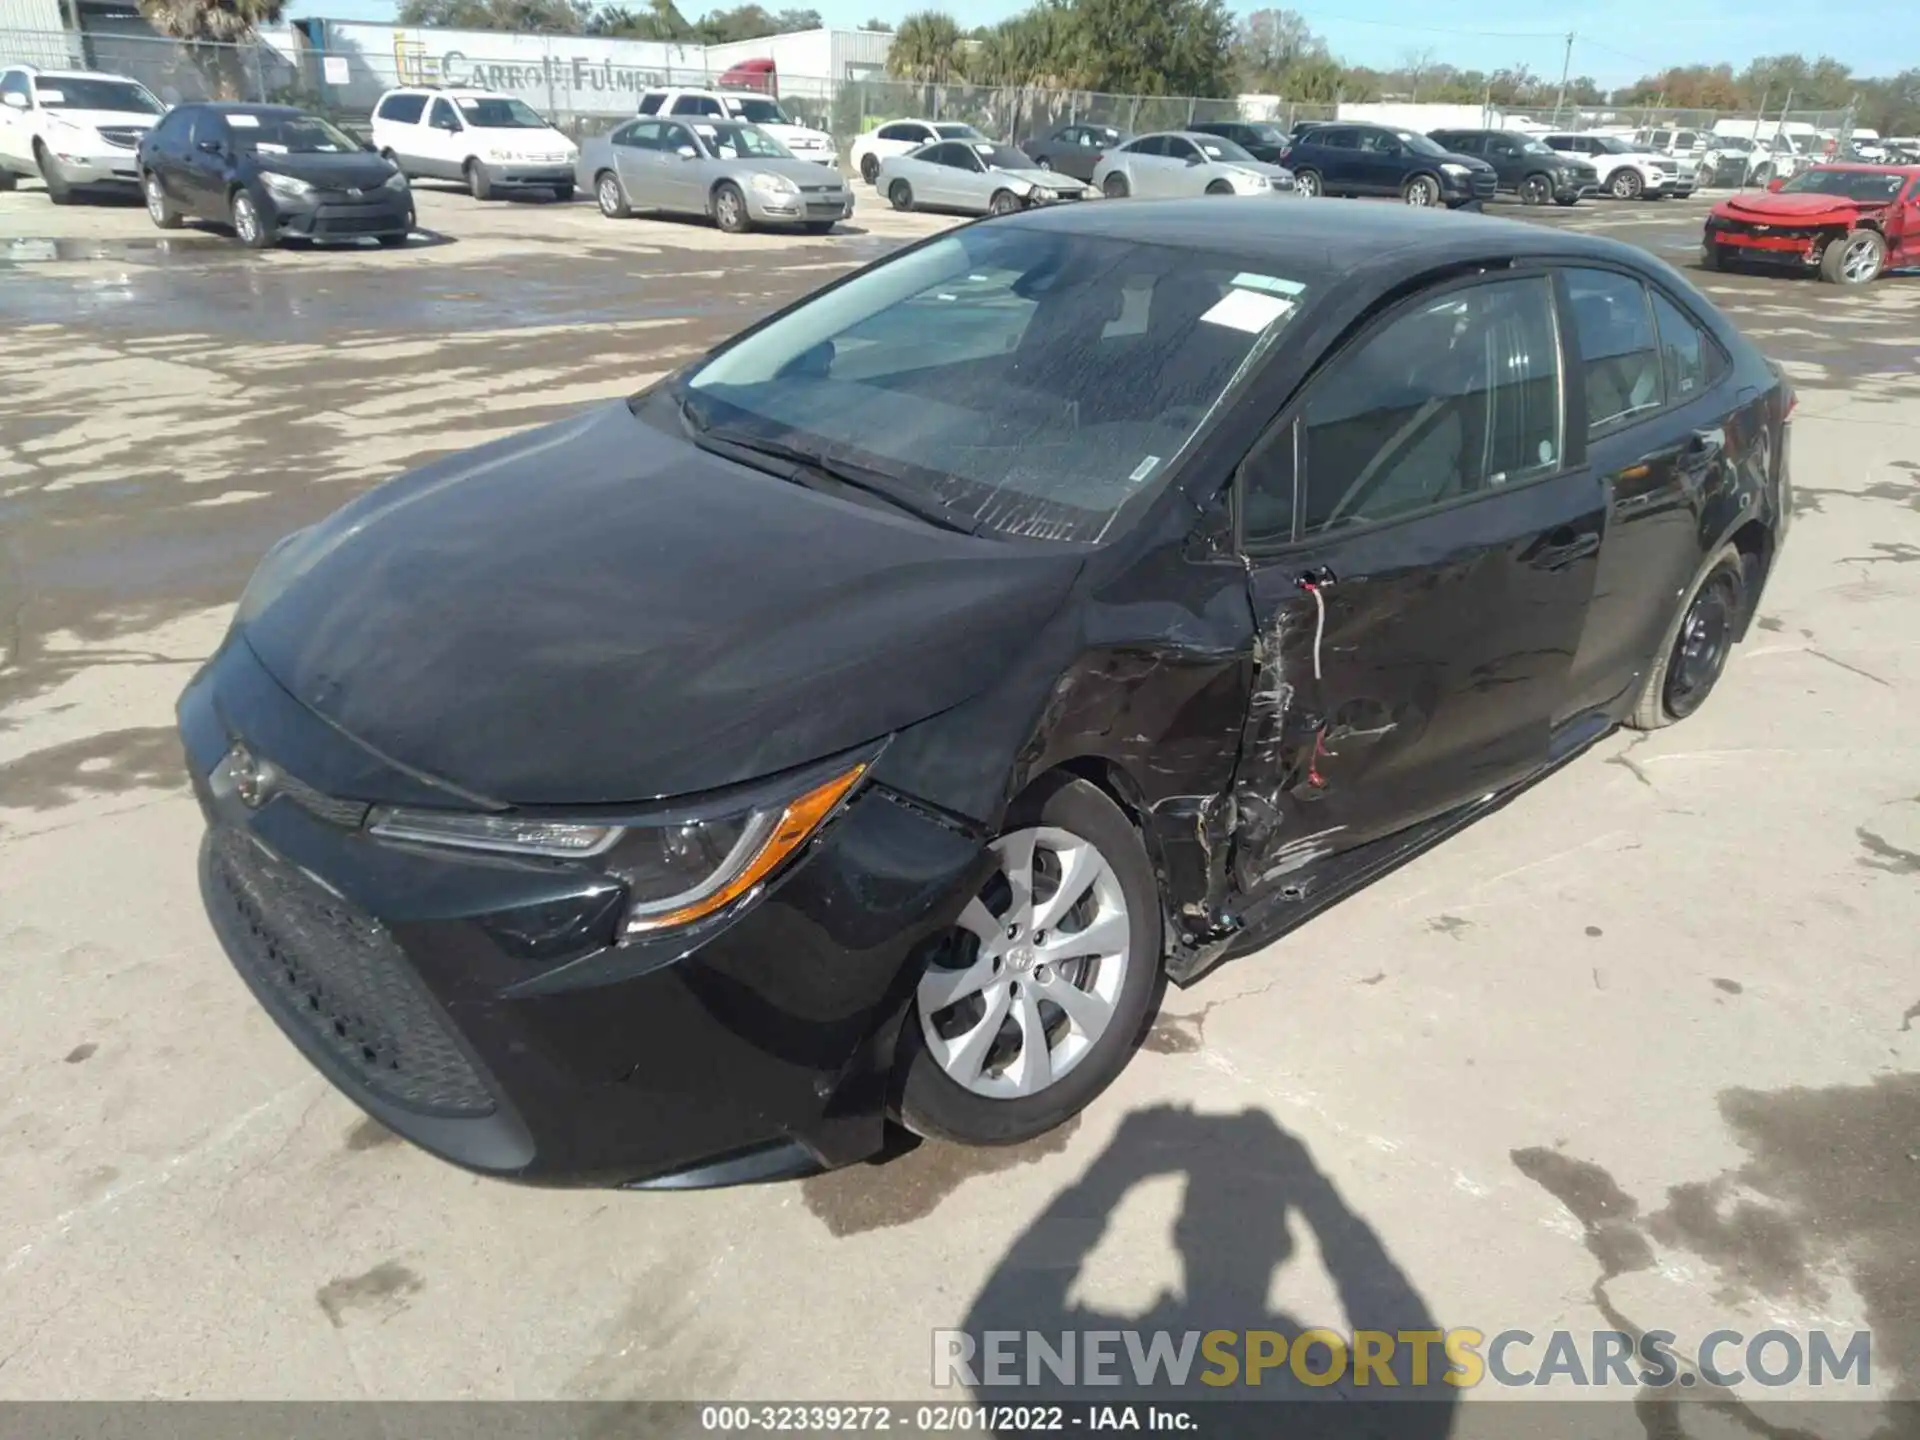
x: 1322, y: 19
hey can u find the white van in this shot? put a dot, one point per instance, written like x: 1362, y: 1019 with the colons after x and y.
x: 493, y: 142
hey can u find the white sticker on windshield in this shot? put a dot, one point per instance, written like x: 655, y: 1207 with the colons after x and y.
x: 705, y: 130
x: 52, y: 97
x: 1268, y: 282
x: 243, y: 122
x: 1143, y: 469
x: 267, y: 147
x: 1247, y: 310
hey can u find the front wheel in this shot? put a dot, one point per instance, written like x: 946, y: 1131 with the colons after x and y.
x: 1115, y: 187
x: 1566, y: 200
x: 1002, y: 203
x: 611, y: 198
x: 479, y: 183
x: 1856, y: 258
x: 1032, y: 1004
x: 159, y: 209
x: 1713, y: 257
x: 248, y: 224
x: 1045, y: 162
x: 900, y: 195
x: 1422, y: 191
x: 1536, y: 190
x: 563, y: 193
x: 7, y: 182
x: 1219, y: 187
x: 730, y: 209
x: 1626, y: 184
x: 58, y: 191
x: 1696, y: 646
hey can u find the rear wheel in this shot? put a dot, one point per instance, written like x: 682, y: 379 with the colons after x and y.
x: 900, y: 195
x: 479, y: 183
x: 1045, y: 162
x: 1002, y: 203
x: 58, y: 191
x: 612, y: 199
x: 1856, y: 258
x: 1308, y: 182
x: 159, y: 209
x: 1536, y: 190
x: 1033, y: 1003
x: 7, y: 182
x: 1626, y: 184
x: 730, y: 208
x: 1115, y: 187
x: 869, y: 169
x: 1421, y: 190
x: 1696, y: 645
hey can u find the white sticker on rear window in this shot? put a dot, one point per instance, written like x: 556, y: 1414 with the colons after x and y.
x: 244, y: 122
x: 1247, y: 310
x: 1268, y: 282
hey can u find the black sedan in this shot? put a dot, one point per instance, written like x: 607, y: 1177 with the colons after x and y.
x: 271, y: 172
x: 856, y: 725
x: 1075, y: 149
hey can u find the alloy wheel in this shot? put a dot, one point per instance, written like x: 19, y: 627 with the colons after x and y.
x: 246, y: 223
x: 1700, y: 650
x: 608, y: 195
x: 1536, y: 191
x: 1307, y: 182
x: 156, y: 201
x: 727, y: 208
x: 1421, y: 191
x: 1035, y: 969
x: 1861, y: 262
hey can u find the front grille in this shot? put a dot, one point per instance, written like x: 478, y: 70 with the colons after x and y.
x: 123, y: 136
x: 340, y: 978
x: 820, y: 189
x: 1484, y: 184
x: 351, y: 222
x: 348, y: 814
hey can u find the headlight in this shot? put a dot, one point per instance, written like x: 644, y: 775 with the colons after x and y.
x: 1460, y: 170
x: 768, y: 183
x: 677, y: 871
x: 499, y: 156
x: 395, y: 181
x: 287, y: 187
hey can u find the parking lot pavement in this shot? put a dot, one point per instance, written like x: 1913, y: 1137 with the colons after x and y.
x: 1639, y: 1049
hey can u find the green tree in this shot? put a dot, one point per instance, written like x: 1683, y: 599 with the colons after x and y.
x: 1154, y: 47
x: 658, y: 20
x: 537, y: 17
x: 210, y: 31
x: 927, y: 48
x: 878, y: 26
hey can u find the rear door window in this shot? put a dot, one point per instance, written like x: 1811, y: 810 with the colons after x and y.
x: 403, y: 109
x: 1691, y: 362
x: 650, y: 103
x: 1619, y: 353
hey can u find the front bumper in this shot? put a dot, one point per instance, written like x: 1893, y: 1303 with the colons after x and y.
x: 110, y: 168
x: 818, y: 207
x: 1794, y: 249
x: 1476, y: 188
x: 336, y: 215
x: 526, y: 175
x: 481, y: 1007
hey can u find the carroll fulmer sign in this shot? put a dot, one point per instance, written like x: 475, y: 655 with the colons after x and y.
x: 577, y: 73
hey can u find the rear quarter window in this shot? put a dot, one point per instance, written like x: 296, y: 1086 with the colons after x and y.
x: 402, y: 109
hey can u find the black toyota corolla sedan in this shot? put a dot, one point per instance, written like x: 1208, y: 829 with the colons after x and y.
x: 856, y: 726
x: 271, y: 172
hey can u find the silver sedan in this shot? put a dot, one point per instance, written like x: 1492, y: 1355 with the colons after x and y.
x: 728, y: 169
x: 976, y: 177
x: 1175, y: 163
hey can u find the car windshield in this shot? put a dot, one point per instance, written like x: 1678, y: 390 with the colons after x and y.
x: 1216, y: 148
x: 1868, y: 185
x: 501, y: 114
x: 287, y: 135
x: 1002, y: 157
x: 1418, y: 143
x: 957, y: 132
x: 758, y: 112
x: 731, y: 141
x: 1020, y: 381
x: 71, y: 92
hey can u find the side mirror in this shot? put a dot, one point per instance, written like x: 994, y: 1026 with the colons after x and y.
x: 1195, y: 160
x: 211, y: 147
x: 687, y: 152
x: 17, y: 102
x: 1776, y: 183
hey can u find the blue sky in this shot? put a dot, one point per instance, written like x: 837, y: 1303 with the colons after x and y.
x: 1616, y: 43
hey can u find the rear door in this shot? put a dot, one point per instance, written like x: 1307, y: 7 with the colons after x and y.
x: 1652, y: 383
x: 637, y: 156
x: 1179, y: 171
x: 15, y: 96
x: 1337, y: 149
x: 1147, y: 166
x: 1421, y: 543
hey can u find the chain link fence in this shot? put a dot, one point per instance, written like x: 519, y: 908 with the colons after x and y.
x: 589, y: 97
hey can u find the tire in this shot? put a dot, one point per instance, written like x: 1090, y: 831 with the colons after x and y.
x: 1856, y: 258
x: 249, y: 225
x: 58, y: 191
x: 159, y: 209
x: 1308, y: 183
x: 1045, y: 162
x: 1421, y: 191
x: 730, y: 209
x: 1004, y: 202
x: 869, y: 169
x: 1672, y: 693
x: 392, y: 242
x: 1536, y: 190
x: 611, y: 197
x: 1566, y: 200
x: 1115, y: 187
x: 1114, y: 991
x: 900, y: 195
x: 819, y: 227
x: 7, y: 181
x: 1626, y: 184
x: 563, y: 194
x: 479, y: 183
x: 1761, y: 174
x: 1219, y: 187
x: 1713, y: 257
x: 393, y: 160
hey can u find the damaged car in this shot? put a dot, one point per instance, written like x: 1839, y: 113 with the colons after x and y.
x: 1847, y: 223
x: 856, y: 727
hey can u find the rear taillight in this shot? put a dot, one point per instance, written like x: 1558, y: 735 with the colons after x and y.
x: 1793, y: 399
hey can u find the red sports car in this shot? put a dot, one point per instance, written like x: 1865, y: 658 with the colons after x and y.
x: 1850, y: 222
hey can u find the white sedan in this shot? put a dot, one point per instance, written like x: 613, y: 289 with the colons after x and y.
x: 898, y: 137
x: 976, y: 177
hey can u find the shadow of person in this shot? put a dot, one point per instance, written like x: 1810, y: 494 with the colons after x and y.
x: 1248, y: 1185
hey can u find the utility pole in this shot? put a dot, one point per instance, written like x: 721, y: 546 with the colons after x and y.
x: 1566, y: 69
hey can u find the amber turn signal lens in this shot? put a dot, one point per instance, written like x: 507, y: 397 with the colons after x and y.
x: 797, y: 822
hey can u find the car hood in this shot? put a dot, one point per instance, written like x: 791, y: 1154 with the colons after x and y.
x: 1793, y: 209
x: 801, y: 172
x: 356, y: 169
x: 595, y: 612
x: 787, y: 134
x: 114, y: 119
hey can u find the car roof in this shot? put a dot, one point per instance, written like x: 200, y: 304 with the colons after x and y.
x: 74, y: 74
x: 452, y: 92
x: 1866, y: 167
x: 241, y: 107
x: 1318, y: 243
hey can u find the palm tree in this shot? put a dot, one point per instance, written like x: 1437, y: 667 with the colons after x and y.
x: 926, y: 48
x: 211, y: 31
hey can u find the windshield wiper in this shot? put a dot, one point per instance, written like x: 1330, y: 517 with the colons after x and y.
x: 878, y: 483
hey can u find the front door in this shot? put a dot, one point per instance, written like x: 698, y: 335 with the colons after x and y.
x: 202, y: 180
x: 680, y: 170
x: 442, y: 141
x: 1903, y: 227
x: 1422, y: 547
x: 1378, y: 166
x: 15, y: 97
